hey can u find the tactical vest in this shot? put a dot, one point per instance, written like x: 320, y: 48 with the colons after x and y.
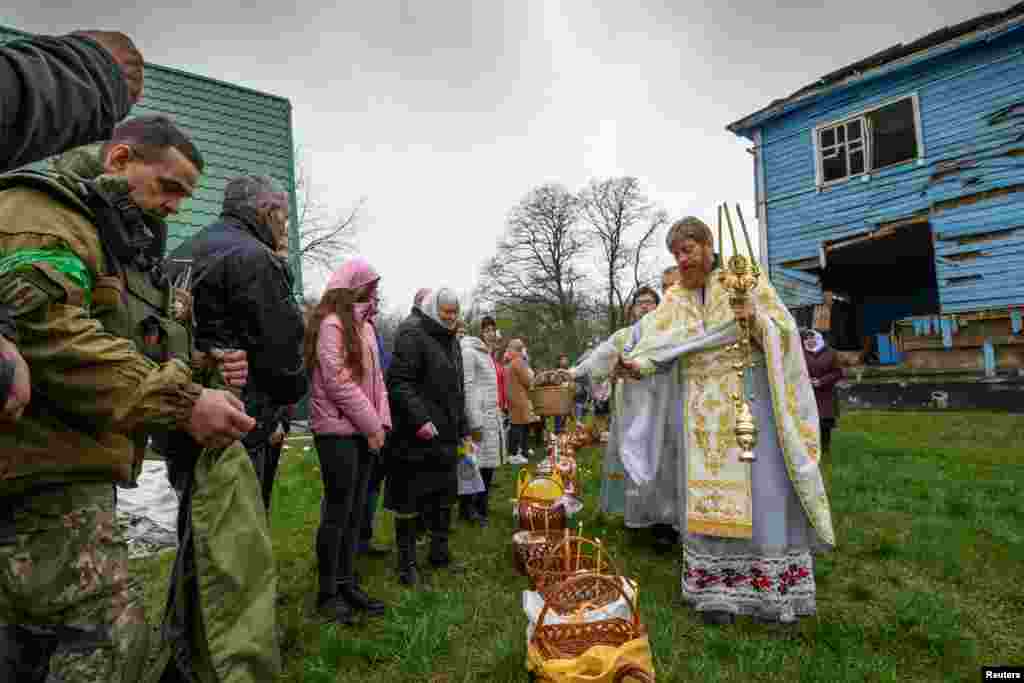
x: 129, y: 303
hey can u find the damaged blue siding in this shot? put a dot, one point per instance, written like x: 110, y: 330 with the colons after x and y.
x: 965, y: 182
x: 796, y: 287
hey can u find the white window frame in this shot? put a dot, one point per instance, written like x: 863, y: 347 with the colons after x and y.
x: 862, y: 116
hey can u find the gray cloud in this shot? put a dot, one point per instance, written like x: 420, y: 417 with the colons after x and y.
x: 444, y: 113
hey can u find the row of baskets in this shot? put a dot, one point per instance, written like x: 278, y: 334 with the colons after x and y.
x: 584, y: 623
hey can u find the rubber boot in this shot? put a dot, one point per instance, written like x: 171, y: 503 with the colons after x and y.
x: 440, y: 528
x: 405, y: 540
x: 329, y: 604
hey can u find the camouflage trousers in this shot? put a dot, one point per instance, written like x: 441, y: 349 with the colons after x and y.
x: 68, y: 607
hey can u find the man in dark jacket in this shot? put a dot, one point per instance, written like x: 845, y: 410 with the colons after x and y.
x: 55, y: 94
x: 242, y: 299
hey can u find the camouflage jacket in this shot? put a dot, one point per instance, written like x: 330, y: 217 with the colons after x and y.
x: 94, y: 394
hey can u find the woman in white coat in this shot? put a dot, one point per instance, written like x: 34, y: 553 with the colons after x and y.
x: 482, y: 409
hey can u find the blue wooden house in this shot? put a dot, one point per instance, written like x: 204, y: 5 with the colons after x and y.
x: 890, y: 194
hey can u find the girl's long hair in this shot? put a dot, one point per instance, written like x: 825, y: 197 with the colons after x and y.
x: 340, y: 302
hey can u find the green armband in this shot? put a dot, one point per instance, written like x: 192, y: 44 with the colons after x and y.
x: 56, y: 264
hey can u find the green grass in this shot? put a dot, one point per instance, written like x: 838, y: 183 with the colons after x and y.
x: 925, y: 584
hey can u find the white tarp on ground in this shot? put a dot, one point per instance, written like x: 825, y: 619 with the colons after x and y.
x: 148, y: 514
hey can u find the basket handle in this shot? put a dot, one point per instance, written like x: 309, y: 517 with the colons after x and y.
x: 557, y: 550
x: 616, y: 581
x: 555, y: 476
x: 521, y: 484
x: 632, y: 671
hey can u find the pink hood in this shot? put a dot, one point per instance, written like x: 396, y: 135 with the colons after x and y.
x: 353, y: 274
x: 340, y: 404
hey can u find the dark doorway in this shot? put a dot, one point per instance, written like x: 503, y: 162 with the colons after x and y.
x: 885, y: 277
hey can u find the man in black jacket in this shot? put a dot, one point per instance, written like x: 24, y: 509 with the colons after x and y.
x: 242, y: 299
x: 55, y: 94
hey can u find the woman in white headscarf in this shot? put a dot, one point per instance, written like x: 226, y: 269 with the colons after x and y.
x: 823, y: 367
x: 428, y: 409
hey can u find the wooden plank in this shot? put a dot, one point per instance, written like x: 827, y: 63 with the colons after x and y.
x: 803, y: 264
x: 960, y: 341
x: 967, y: 200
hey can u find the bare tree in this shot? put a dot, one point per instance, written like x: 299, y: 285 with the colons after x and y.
x: 536, y: 273
x: 324, y: 235
x: 622, y: 224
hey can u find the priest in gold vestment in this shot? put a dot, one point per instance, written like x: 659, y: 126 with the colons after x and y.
x: 749, y: 530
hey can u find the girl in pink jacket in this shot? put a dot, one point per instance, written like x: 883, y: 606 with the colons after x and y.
x: 349, y: 416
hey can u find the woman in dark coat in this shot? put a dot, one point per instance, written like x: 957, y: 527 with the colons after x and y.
x: 428, y: 408
x: 823, y: 367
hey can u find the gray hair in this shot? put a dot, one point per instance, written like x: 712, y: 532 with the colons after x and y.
x: 254, y: 192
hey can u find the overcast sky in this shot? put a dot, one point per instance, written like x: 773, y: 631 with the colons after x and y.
x: 444, y: 113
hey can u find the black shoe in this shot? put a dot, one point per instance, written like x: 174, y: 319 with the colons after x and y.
x: 408, y: 575
x: 663, y: 545
x: 336, y: 609
x: 484, y: 523
x: 441, y: 561
x: 446, y: 562
x: 405, y: 542
x: 716, y: 618
x: 359, y: 600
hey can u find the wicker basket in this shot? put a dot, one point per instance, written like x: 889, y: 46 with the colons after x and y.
x: 571, y: 640
x: 567, y: 560
x: 539, y: 515
x: 554, y: 400
x: 529, y: 545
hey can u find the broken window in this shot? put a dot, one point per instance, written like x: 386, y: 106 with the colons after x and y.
x: 842, y: 150
x: 893, y: 134
x: 872, y: 140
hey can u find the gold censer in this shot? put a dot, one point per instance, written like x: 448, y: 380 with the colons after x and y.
x: 740, y: 278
